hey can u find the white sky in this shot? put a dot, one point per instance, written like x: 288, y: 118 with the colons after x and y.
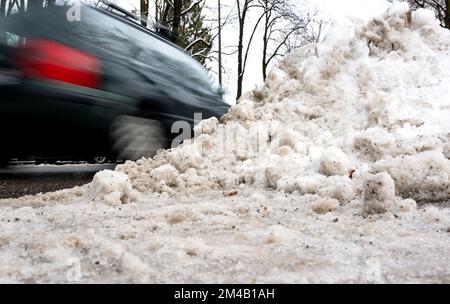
x: 359, y: 8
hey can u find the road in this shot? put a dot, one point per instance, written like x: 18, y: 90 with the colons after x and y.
x: 20, y: 180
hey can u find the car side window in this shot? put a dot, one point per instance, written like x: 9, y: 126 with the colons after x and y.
x: 114, y: 34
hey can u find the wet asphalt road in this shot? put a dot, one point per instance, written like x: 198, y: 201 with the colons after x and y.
x: 20, y: 180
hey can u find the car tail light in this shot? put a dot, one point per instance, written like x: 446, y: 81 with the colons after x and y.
x: 46, y: 59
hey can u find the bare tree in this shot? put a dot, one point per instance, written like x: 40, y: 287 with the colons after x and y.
x: 227, y: 17
x: 219, y: 13
x: 447, y: 13
x: 2, y: 15
x: 3, y: 7
x: 281, y: 23
x: 243, y: 9
x: 144, y: 9
x: 440, y: 7
x: 13, y: 5
x: 7, y: 7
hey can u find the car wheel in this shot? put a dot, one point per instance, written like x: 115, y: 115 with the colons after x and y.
x: 99, y: 160
x: 134, y: 137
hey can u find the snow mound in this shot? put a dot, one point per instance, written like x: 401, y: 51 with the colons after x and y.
x: 369, y: 99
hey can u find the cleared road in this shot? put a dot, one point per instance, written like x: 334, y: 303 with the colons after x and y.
x: 20, y: 180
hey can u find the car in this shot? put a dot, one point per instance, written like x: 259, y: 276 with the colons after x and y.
x: 102, y: 87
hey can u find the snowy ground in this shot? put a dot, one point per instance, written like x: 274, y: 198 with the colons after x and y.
x: 252, y: 237
x: 21, y: 180
x: 337, y: 170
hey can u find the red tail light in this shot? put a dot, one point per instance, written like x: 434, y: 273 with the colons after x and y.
x: 45, y: 59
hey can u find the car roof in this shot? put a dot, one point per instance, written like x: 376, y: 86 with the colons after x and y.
x: 137, y: 26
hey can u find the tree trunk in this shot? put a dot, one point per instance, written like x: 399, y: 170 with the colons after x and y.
x: 144, y: 12
x: 3, y: 7
x: 265, y: 43
x: 177, y: 7
x: 2, y: 15
x: 220, y: 41
x: 447, y: 14
x: 240, y: 77
x: 240, y: 60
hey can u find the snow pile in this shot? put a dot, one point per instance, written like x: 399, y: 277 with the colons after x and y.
x: 370, y: 99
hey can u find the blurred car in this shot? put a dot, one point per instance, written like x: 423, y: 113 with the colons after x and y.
x: 99, y: 88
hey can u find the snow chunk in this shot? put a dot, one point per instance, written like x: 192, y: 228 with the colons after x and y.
x: 207, y: 126
x: 277, y: 234
x: 186, y: 156
x: 275, y: 78
x: 111, y: 187
x: 243, y: 110
x: 423, y: 17
x: 337, y: 187
x: 379, y: 193
x: 325, y: 205
x: 166, y: 174
x: 335, y: 162
x: 434, y: 215
x: 424, y: 176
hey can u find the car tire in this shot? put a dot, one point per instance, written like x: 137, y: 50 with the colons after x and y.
x: 132, y: 138
x: 98, y: 160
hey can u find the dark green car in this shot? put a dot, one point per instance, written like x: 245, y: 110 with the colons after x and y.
x: 101, y: 86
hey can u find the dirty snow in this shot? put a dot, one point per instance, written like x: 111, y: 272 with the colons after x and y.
x: 325, y: 174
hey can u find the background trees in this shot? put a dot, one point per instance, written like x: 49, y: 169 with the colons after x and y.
x: 183, y: 22
x: 243, y: 8
x: 267, y: 29
x: 3, y: 7
x: 9, y: 6
x: 262, y: 29
x: 282, y: 28
x: 281, y: 23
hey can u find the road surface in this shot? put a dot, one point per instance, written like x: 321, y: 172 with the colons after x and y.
x: 20, y: 180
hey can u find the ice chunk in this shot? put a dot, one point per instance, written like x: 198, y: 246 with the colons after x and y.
x: 335, y: 162
x: 379, y: 193
x: 207, y: 126
x: 324, y: 205
x: 166, y: 174
x: 424, y: 176
x: 111, y: 187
